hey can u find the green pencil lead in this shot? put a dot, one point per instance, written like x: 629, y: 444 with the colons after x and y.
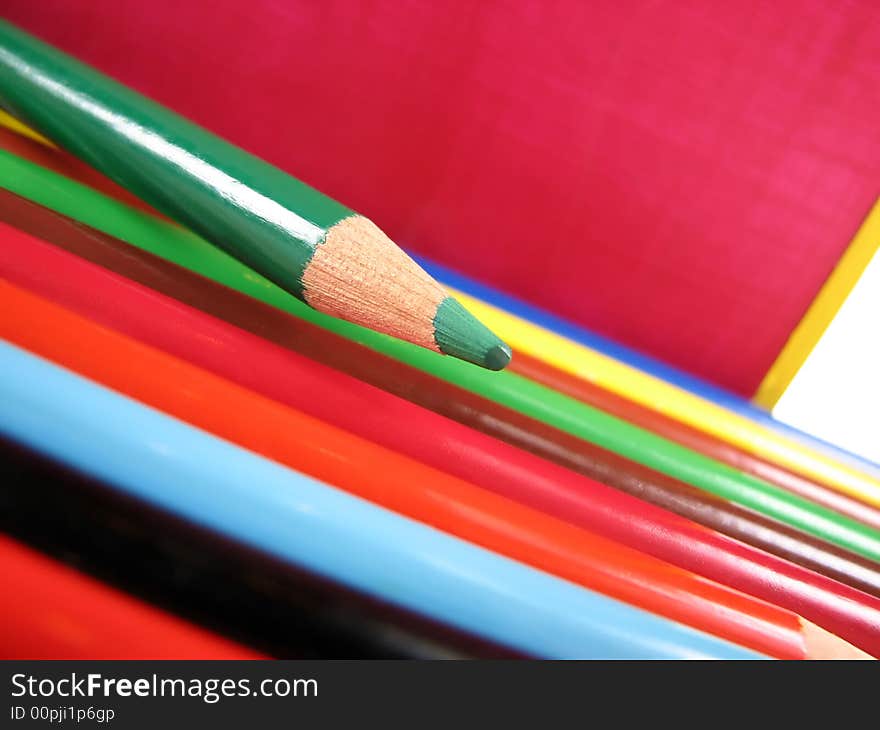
x: 460, y: 334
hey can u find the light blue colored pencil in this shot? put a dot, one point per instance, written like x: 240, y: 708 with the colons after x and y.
x: 216, y: 485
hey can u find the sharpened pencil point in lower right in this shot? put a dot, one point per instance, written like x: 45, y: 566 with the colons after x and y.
x: 459, y: 333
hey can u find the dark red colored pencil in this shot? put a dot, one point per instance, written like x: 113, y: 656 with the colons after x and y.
x: 464, y: 452
x: 685, y: 435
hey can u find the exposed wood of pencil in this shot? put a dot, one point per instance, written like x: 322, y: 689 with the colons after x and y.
x: 307, y: 444
x: 355, y: 256
x: 705, y: 443
x: 310, y: 245
x: 822, y: 644
x: 470, y: 455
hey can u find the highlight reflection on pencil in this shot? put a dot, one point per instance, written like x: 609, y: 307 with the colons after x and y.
x: 335, y: 260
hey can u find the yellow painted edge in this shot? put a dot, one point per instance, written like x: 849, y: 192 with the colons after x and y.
x: 670, y: 400
x: 647, y: 390
x: 825, y: 306
x: 10, y: 122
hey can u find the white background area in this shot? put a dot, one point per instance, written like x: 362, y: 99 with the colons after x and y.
x: 836, y: 393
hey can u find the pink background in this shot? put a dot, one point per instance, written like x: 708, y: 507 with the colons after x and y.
x: 681, y: 176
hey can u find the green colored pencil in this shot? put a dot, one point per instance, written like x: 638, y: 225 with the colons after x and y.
x: 188, y: 250
x: 327, y: 255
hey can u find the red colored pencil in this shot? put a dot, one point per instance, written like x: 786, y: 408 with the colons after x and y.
x: 660, y: 489
x: 396, y: 482
x: 51, y: 611
x: 327, y: 394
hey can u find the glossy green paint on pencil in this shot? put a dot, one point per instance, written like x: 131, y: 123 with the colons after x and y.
x: 166, y: 160
x: 188, y: 250
x: 262, y: 216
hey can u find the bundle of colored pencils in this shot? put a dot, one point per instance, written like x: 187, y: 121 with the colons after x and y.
x: 232, y: 380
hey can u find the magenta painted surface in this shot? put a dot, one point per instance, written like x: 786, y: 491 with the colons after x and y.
x: 681, y: 176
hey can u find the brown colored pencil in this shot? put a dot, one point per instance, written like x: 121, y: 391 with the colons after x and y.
x: 692, y: 438
x: 829, y: 604
x: 444, y: 398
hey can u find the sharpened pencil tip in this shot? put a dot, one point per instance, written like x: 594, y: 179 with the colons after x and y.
x: 498, y: 357
x: 458, y: 333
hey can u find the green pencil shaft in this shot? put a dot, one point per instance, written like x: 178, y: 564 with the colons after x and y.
x: 188, y: 250
x: 256, y: 212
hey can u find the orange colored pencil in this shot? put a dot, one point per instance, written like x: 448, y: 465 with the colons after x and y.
x: 399, y: 483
